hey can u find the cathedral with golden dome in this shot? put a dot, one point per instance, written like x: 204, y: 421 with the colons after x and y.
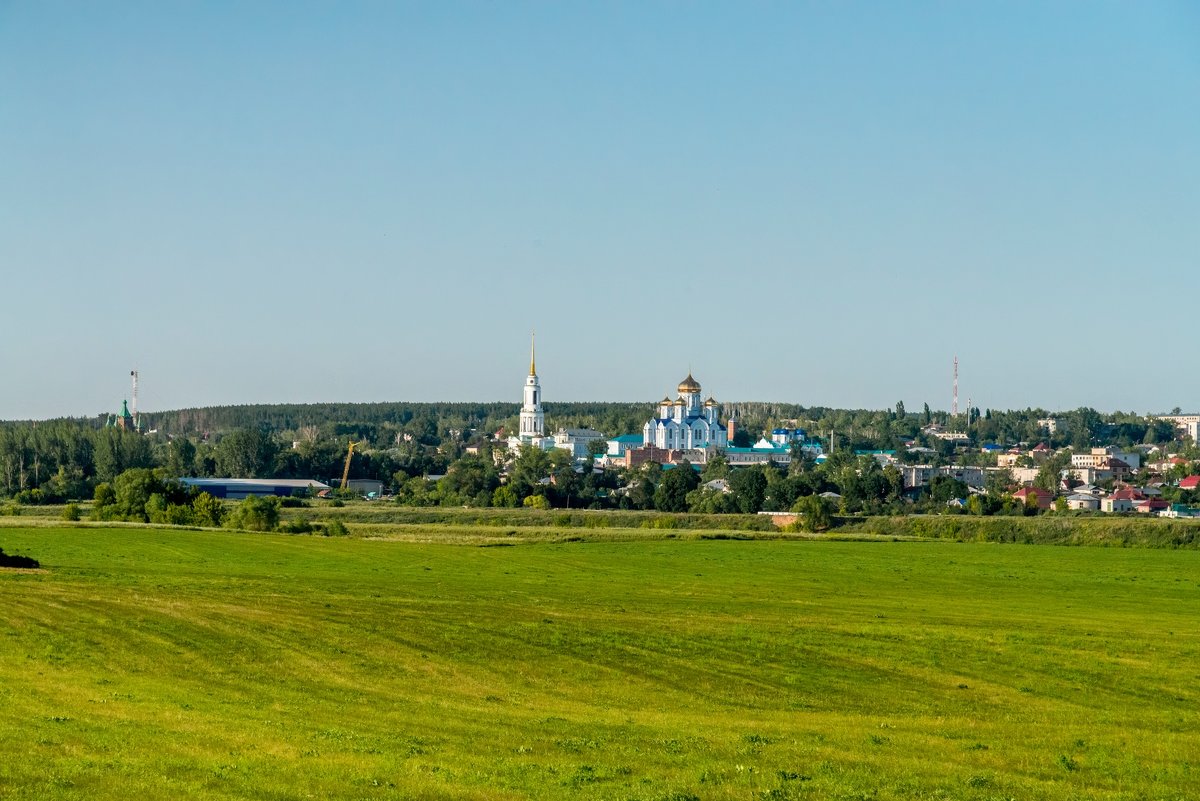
x: 686, y: 422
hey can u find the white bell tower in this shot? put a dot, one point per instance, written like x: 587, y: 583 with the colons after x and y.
x: 533, y: 421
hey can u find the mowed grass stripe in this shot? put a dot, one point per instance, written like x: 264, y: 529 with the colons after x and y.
x: 206, y: 664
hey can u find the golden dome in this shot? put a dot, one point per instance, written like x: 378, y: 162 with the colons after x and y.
x: 711, y: 401
x: 689, y: 385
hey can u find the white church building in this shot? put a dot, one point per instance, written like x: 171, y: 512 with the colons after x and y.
x: 686, y: 422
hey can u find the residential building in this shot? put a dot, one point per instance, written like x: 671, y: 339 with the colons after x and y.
x: 919, y: 475
x: 1103, y: 457
x: 761, y: 452
x: 577, y: 440
x: 1122, y: 500
x: 1187, y: 424
x: 1151, y: 506
x: 1024, y: 475
x: 618, y: 445
x: 1035, y: 495
x: 653, y: 453
x: 1084, y: 502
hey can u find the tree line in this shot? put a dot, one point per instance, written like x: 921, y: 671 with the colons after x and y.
x: 66, y: 459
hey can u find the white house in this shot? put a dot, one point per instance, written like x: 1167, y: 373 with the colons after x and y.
x: 1083, y: 501
x: 577, y: 440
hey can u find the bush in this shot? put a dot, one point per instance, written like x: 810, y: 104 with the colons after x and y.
x: 335, y: 528
x: 296, y: 526
x: 30, y: 497
x: 70, y: 512
x: 256, y: 514
x: 10, y: 510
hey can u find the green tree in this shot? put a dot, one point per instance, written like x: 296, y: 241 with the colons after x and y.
x: 245, y: 453
x: 181, y: 457
x: 671, y: 493
x: 749, y: 487
x: 255, y: 514
x: 207, y: 511
x: 527, y: 471
x: 943, y: 489
x: 814, y: 513
x: 504, y: 497
x: 536, y: 502
x: 133, y: 489
x: 711, y: 502
x: 716, y: 467
x: 466, y: 479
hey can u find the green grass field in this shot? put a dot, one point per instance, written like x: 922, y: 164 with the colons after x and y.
x: 142, y: 663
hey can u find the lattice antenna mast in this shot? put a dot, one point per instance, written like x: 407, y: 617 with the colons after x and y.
x: 954, y: 404
x: 137, y: 423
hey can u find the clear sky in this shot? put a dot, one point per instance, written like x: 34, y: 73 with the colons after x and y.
x: 819, y: 203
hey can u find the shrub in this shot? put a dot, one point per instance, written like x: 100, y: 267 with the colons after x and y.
x: 335, y: 528
x: 256, y: 514
x: 70, y: 512
x: 537, y: 502
x: 31, y: 497
x: 296, y: 526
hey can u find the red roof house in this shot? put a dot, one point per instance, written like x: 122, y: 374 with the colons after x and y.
x: 1190, y: 483
x: 1043, y: 498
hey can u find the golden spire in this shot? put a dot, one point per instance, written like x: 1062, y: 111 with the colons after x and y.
x: 532, y: 352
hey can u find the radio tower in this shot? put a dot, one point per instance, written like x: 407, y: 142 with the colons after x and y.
x: 954, y: 407
x: 137, y: 423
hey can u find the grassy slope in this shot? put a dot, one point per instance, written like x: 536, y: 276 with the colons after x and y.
x: 156, y: 664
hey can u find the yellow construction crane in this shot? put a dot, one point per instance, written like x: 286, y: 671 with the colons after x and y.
x: 346, y: 469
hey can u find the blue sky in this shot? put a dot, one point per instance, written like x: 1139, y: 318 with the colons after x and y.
x: 819, y: 203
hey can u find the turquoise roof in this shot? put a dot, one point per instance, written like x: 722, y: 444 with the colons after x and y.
x: 628, y: 438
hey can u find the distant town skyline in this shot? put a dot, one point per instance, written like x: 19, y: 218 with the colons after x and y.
x: 812, y: 204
